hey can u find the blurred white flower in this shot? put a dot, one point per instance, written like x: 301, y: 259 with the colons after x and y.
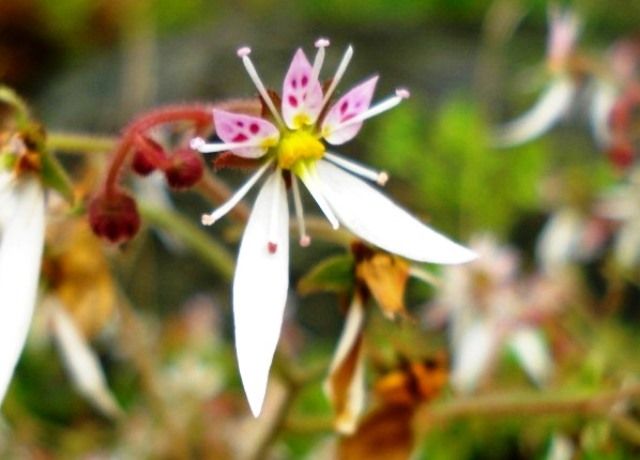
x: 550, y: 108
x: 488, y: 311
x: 293, y: 148
x: 621, y: 205
x: 555, y: 101
x: 559, y: 242
x: 81, y: 362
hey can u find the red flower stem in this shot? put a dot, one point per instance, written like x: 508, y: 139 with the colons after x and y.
x: 198, y: 114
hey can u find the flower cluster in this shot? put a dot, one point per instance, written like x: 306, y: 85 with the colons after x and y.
x: 295, y: 143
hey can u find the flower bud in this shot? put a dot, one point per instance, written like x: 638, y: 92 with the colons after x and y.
x: 148, y: 155
x: 621, y: 155
x: 114, y: 216
x: 185, y: 169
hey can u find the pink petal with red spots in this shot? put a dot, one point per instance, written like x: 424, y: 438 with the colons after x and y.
x: 352, y: 104
x: 256, y: 133
x: 301, y: 93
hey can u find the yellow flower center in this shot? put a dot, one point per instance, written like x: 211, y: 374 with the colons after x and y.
x: 297, y: 146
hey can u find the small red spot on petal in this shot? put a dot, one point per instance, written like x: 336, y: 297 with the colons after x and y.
x: 294, y: 83
x: 272, y: 247
x: 293, y: 102
x: 240, y: 138
x: 304, y: 81
x: 344, y: 106
x: 240, y: 124
x: 254, y: 128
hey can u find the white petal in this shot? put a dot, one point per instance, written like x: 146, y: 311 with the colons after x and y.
x: 81, y: 362
x: 350, y: 333
x: 627, y: 244
x: 22, y: 237
x: 561, y: 448
x: 558, y: 242
x: 551, y: 107
x: 347, y: 418
x: 260, y: 290
x: 473, y: 355
x: 376, y: 219
x: 532, y: 353
x: 603, y: 99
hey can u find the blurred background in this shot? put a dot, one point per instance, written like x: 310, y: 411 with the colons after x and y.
x: 554, y: 212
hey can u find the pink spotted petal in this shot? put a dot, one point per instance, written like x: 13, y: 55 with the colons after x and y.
x: 301, y: 93
x: 235, y: 128
x: 352, y: 104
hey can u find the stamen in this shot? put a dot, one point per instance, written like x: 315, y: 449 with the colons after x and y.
x: 380, y: 177
x: 243, y: 53
x: 305, y: 240
x: 342, y: 67
x: 272, y: 242
x: 315, y: 188
x: 201, y: 145
x: 210, y: 219
x: 321, y: 44
x: 383, y: 106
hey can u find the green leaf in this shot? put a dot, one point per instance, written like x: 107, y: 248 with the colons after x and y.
x: 335, y: 274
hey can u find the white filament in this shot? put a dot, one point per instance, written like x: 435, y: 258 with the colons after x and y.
x: 342, y: 67
x: 321, y: 44
x: 377, y: 109
x: 315, y: 188
x: 243, y: 53
x: 201, y: 145
x: 380, y: 177
x: 305, y: 239
x: 210, y: 219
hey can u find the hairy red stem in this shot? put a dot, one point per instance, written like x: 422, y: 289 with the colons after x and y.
x: 198, y: 114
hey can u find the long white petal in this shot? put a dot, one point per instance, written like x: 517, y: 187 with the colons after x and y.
x: 473, y: 355
x: 22, y: 237
x: 260, y: 290
x: 532, y: 353
x: 550, y: 108
x: 375, y: 218
x: 81, y: 362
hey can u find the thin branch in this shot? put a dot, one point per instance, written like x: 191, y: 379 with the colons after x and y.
x: 194, y: 236
x: 80, y: 143
x: 522, y: 404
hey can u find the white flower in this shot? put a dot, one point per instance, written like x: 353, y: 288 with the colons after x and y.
x: 488, y: 312
x: 21, y: 240
x: 555, y: 101
x: 550, y: 108
x: 294, y: 147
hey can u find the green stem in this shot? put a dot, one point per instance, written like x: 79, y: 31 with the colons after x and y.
x: 200, y: 242
x: 80, y: 143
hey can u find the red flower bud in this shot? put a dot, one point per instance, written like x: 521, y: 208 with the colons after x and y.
x: 185, y: 169
x: 114, y: 216
x: 148, y: 155
x: 621, y: 154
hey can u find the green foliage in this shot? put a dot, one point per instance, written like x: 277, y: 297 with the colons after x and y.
x: 461, y: 181
x: 334, y: 274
